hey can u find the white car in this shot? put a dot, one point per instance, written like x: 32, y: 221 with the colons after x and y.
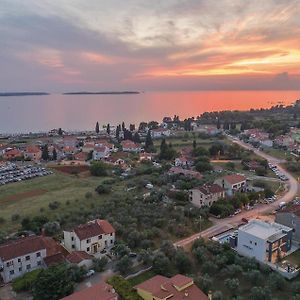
x: 89, y: 273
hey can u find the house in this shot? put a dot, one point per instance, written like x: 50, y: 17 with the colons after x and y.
x: 100, y: 152
x: 116, y: 161
x: 70, y: 141
x: 81, y: 259
x: 266, y: 242
x: 88, y: 147
x: 266, y: 142
x: 232, y: 183
x: 290, y: 216
x: 33, y: 153
x: 100, y: 291
x: 12, y: 154
x: 92, y: 237
x: 24, y: 255
x: 81, y: 156
x: 185, y: 172
x: 146, y: 156
x: 160, y: 132
x: 206, y: 195
x: 69, y: 151
x: 174, y: 288
x: 130, y: 146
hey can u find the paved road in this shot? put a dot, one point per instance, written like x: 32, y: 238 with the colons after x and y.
x: 260, y: 209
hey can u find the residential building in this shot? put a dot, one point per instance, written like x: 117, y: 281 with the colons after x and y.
x: 206, y: 195
x: 290, y: 216
x: 130, y: 146
x: 88, y: 147
x: 100, y: 291
x: 81, y: 259
x: 160, y: 132
x: 100, y: 152
x: 81, y: 156
x: 92, y: 237
x: 232, y: 183
x: 33, y: 153
x: 12, y: 154
x: 266, y: 242
x: 185, y: 172
x: 175, y: 288
x: 24, y: 255
x: 70, y: 141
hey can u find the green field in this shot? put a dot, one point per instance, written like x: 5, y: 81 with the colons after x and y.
x: 18, y: 198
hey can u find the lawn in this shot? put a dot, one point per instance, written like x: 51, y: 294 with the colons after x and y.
x: 28, y: 198
x: 141, y: 278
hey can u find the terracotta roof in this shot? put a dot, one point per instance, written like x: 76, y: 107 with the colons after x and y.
x: 100, y: 148
x: 234, y: 178
x: 32, y: 149
x: 54, y: 259
x: 93, y: 228
x: 100, y: 291
x: 211, y: 189
x: 82, y: 156
x: 13, y: 152
x: 162, y: 287
x: 78, y: 256
x: 26, y: 245
x: 129, y: 144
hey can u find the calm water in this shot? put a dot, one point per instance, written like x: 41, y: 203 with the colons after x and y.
x: 40, y: 113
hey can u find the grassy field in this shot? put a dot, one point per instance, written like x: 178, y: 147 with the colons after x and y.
x: 29, y: 197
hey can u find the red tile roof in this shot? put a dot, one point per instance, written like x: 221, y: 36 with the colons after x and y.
x: 129, y: 144
x: 32, y: 149
x: 211, y: 189
x: 26, y: 245
x: 100, y: 291
x: 78, y: 256
x: 93, y: 228
x: 54, y: 259
x: 162, y: 287
x: 234, y: 178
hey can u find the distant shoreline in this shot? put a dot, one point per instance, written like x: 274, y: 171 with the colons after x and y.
x: 102, y: 93
x: 10, y: 94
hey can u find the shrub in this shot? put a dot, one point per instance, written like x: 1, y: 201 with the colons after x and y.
x: 98, y: 169
x: 102, y: 189
x: 123, y: 288
x: 25, y: 282
x: 54, y: 205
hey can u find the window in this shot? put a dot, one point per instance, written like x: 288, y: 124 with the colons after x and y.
x: 88, y: 240
x: 10, y: 263
x: 27, y: 257
x: 73, y: 246
x: 100, y: 237
x: 111, y: 241
x: 20, y: 269
x: 87, y: 249
x: 11, y: 272
x: 38, y: 254
x: 111, y: 234
x: 39, y: 263
x: 28, y: 267
x: 250, y: 242
x: 72, y: 238
x: 19, y: 259
x: 255, y: 244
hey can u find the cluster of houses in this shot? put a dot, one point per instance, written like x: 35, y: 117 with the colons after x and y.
x: 79, y: 246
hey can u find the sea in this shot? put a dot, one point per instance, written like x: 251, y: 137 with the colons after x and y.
x: 23, y: 114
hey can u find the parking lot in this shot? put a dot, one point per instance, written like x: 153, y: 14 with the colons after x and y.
x: 11, y: 172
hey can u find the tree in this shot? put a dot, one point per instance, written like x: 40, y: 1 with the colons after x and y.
x: 99, y: 264
x: 233, y: 285
x: 260, y: 293
x: 102, y: 189
x: 226, y: 126
x: 97, y: 128
x: 54, y: 154
x: 217, y: 295
x: 276, y: 281
x: 118, y: 129
x: 45, y: 153
x: 142, y: 126
x: 123, y: 126
x: 161, y: 264
x: 182, y: 262
x: 203, y: 166
x: 218, y: 124
x: 168, y: 248
x: 132, y: 127
x: 60, y: 132
x: 52, y: 228
x: 124, y: 265
x: 108, y: 129
x: 204, y: 283
x: 57, y: 276
x: 149, y: 142
x: 136, y: 138
x: 98, y: 169
x: 194, y: 144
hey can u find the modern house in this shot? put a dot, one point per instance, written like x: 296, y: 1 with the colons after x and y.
x: 290, y: 216
x: 25, y: 254
x: 206, y: 195
x: 232, y: 183
x: 33, y: 153
x: 130, y: 146
x: 92, y: 237
x: 160, y: 132
x: 266, y: 242
x: 100, y: 291
x: 176, y: 288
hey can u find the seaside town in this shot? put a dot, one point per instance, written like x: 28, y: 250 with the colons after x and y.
x: 200, y: 208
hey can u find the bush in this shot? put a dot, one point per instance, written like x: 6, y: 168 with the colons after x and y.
x: 98, y: 169
x: 25, y: 282
x: 123, y: 288
x: 100, y: 264
x: 54, y: 205
x: 102, y: 189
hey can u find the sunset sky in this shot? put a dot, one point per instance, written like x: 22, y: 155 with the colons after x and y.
x: 62, y: 45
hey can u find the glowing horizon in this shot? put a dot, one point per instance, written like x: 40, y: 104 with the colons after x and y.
x: 196, y: 44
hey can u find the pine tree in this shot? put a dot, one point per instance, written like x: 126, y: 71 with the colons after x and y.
x: 132, y: 127
x: 60, y: 132
x: 54, y: 154
x: 123, y: 126
x: 136, y: 138
x: 194, y: 144
x: 45, y: 153
x: 97, y: 128
x: 218, y: 124
x: 108, y: 129
x: 148, y: 142
x: 118, y: 132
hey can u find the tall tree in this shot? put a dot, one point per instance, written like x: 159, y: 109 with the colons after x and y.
x: 218, y: 124
x: 54, y: 154
x: 123, y: 126
x: 97, y: 128
x: 132, y: 127
x: 45, y: 153
x: 108, y: 128
x: 136, y: 138
x: 194, y: 144
x: 60, y: 132
x: 118, y: 132
x: 142, y: 126
x: 149, y: 142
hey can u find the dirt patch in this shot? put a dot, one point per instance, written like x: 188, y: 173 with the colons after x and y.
x: 21, y: 196
x: 71, y: 169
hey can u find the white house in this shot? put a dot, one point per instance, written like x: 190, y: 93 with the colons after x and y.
x: 232, y: 183
x: 266, y: 242
x: 100, y: 152
x: 160, y: 132
x: 130, y: 146
x: 25, y: 254
x: 206, y: 195
x: 92, y: 237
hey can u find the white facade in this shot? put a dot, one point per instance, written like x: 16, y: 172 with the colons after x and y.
x: 200, y: 199
x: 18, y: 266
x: 160, y: 132
x: 100, y: 153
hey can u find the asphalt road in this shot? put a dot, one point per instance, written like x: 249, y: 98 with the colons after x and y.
x: 292, y: 186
